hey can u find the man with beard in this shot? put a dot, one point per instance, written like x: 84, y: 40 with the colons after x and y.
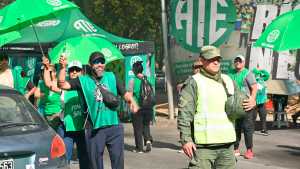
x: 103, y: 127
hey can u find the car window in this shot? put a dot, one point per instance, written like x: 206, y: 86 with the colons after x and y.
x: 16, y: 112
x: 9, y: 111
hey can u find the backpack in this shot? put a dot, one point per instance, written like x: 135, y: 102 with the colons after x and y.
x: 147, y: 96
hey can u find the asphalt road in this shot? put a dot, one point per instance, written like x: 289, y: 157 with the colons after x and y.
x: 280, y: 150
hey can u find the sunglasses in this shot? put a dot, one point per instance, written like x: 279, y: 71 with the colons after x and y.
x: 238, y: 60
x: 98, y: 60
x: 215, y: 59
x: 77, y: 69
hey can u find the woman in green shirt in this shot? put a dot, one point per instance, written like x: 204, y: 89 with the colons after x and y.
x: 52, y: 100
x: 72, y: 125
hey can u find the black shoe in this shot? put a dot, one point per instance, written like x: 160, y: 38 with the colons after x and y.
x: 264, y: 132
x: 148, y: 146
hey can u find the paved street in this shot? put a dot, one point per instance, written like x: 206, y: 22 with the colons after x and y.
x: 280, y: 150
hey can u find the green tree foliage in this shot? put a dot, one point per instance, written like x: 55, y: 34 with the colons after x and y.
x: 134, y: 19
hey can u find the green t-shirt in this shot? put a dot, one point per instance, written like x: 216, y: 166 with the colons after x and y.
x: 73, y: 111
x: 52, y: 102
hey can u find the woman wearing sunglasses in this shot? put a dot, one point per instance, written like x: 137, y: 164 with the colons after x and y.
x: 71, y: 127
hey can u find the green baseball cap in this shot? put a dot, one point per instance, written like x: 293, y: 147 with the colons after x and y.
x: 209, y: 52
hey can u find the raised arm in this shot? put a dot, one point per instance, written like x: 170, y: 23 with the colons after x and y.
x: 47, y: 76
x: 62, y: 83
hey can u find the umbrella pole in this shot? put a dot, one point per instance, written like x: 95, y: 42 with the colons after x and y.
x: 37, y: 38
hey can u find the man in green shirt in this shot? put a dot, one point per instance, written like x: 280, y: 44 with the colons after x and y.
x: 245, y: 80
x: 206, y: 133
x: 103, y: 127
x: 142, y: 119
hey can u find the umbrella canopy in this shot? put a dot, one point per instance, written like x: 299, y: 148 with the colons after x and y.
x: 8, y: 37
x: 79, y: 48
x: 23, y: 13
x: 282, y: 33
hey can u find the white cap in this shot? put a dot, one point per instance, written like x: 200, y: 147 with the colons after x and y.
x: 240, y: 56
x: 75, y: 63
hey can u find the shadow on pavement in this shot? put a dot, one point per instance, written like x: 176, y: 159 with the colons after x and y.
x: 159, y: 144
x: 128, y: 147
x: 271, y: 127
x: 292, y: 150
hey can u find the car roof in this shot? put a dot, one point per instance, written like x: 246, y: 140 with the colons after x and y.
x: 7, y: 89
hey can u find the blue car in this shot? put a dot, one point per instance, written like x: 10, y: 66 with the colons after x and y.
x: 26, y: 140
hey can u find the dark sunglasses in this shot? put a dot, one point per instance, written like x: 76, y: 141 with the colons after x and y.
x: 98, y: 60
x: 77, y: 69
x: 215, y: 59
x: 238, y: 60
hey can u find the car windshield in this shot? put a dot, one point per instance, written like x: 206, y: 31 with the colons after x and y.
x: 17, y: 114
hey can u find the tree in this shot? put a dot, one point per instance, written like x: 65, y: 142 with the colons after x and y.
x: 134, y: 19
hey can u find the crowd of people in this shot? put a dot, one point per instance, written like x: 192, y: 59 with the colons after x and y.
x: 74, y: 101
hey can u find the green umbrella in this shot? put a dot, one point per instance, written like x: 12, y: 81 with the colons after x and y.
x: 23, y: 13
x: 282, y: 33
x: 8, y: 37
x: 79, y: 48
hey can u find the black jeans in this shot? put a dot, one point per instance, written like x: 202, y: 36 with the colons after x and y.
x: 246, y: 125
x: 141, y: 127
x: 262, y: 116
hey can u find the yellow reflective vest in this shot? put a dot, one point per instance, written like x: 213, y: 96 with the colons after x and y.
x: 211, y: 124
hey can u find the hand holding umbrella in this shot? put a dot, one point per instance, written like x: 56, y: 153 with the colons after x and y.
x: 63, y: 61
x: 46, y: 62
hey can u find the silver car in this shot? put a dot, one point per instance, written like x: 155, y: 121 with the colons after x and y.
x: 26, y: 140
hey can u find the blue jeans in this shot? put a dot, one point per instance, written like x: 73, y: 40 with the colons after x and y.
x: 113, y: 138
x: 77, y: 137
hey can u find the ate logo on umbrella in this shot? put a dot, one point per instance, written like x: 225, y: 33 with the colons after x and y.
x: 1, y: 19
x: 106, y: 52
x: 54, y: 2
x: 272, y: 37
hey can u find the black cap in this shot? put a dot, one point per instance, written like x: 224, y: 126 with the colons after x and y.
x: 95, y: 55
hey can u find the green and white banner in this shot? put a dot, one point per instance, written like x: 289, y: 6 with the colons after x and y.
x: 195, y: 23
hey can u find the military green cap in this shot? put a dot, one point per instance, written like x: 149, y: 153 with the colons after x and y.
x: 209, y: 52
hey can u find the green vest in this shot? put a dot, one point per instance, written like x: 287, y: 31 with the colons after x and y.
x: 239, y: 78
x: 136, y: 89
x: 211, y: 124
x: 100, y: 115
x: 73, y: 112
